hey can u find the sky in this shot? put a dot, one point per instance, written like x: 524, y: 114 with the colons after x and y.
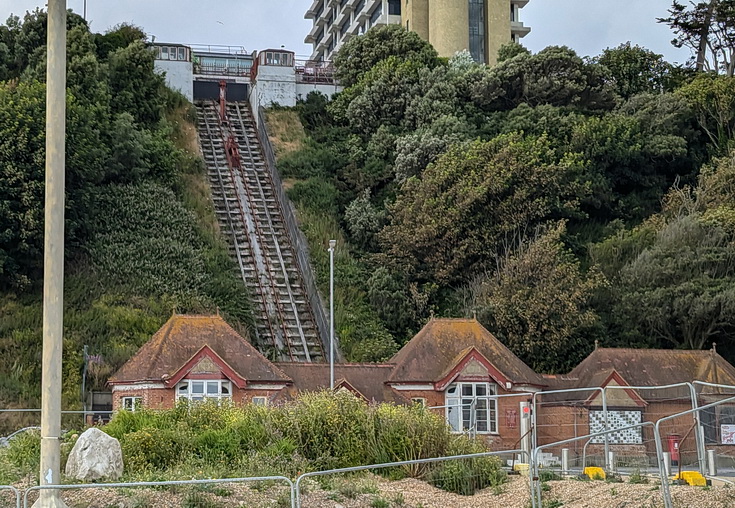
x: 587, y: 26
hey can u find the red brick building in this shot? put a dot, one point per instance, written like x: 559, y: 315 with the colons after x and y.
x: 455, y: 366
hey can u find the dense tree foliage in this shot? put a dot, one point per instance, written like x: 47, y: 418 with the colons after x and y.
x: 140, y: 234
x: 451, y: 180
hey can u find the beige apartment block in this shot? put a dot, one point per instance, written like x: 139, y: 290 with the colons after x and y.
x: 479, y: 26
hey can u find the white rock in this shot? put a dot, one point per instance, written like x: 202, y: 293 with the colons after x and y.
x: 94, y: 456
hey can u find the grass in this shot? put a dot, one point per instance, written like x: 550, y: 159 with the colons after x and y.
x: 286, y: 133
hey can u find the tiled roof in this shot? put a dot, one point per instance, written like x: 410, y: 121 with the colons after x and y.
x: 438, y: 347
x: 368, y: 379
x: 181, y: 337
x: 644, y: 367
x: 650, y: 367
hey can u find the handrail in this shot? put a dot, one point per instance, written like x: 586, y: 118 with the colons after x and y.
x: 660, y: 448
x: 301, y: 246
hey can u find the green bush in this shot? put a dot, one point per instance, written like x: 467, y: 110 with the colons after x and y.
x: 315, y: 194
x: 408, y: 433
x: 156, y: 448
x: 316, y: 431
x: 467, y: 476
x: 332, y: 431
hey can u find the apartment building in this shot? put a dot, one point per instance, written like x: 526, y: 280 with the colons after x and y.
x: 480, y: 26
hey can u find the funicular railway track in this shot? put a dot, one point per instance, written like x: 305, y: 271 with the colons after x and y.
x: 249, y: 212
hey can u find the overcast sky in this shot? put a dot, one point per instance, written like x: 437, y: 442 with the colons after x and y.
x: 588, y: 26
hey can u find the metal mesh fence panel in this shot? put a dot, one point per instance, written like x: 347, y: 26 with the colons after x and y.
x: 412, y: 483
x: 274, y: 491
x: 9, y: 496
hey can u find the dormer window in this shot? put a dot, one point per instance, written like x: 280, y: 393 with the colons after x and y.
x: 470, y: 408
x: 199, y: 390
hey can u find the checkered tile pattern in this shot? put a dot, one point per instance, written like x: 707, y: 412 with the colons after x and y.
x: 616, y: 420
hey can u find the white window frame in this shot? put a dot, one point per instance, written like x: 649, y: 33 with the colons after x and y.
x: 470, y: 408
x: 131, y: 403
x: 421, y: 401
x: 259, y: 401
x: 212, y: 389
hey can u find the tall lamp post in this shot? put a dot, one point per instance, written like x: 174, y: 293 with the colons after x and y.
x: 332, y: 244
x: 53, y: 256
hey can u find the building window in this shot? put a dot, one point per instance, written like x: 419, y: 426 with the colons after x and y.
x: 419, y: 401
x: 359, y: 7
x: 394, y: 7
x: 470, y: 408
x: 132, y: 403
x: 195, y: 390
x: 719, y: 424
x: 376, y: 14
x: 477, y: 30
x: 260, y: 401
x: 182, y: 54
x: 343, y: 28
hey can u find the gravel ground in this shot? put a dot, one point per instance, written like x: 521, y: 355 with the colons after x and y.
x: 365, y: 492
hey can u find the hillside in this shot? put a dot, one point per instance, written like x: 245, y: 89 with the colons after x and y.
x: 142, y: 239
x: 562, y: 200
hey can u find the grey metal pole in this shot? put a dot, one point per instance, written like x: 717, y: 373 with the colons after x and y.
x: 53, y: 276
x: 332, y: 244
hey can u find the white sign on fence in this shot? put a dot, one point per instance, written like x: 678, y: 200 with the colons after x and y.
x: 727, y: 432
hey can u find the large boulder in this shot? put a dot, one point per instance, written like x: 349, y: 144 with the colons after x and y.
x: 95, y: 456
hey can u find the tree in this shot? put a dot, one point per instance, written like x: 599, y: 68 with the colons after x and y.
x: 555, y: 75
x: 712, y: 99
x: 135, y: 87
x: 708, y: 29
x: 537, y: 302
x: 453, y: 220
x: 360, y: 54
x: 635, y: 70
x: 363, y: 219
x: 681, y: 291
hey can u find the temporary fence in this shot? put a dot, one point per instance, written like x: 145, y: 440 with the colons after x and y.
x: 566, y: 414
x: 659, y: 443
x: 9, y: 496
x: 467, y: 474
x: 637, y: 448
x: 536, y: 490
x: 190, y: 493
x: 15, y: 419
x: 717, y: 428
x: 663, y: 464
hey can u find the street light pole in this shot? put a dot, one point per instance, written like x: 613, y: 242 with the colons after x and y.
x: 332, y: 244
x: 53, y: 252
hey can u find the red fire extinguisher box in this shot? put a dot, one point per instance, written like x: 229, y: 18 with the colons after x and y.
x: 674, y: 440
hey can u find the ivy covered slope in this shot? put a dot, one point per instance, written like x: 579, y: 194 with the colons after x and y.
x: 559, y: 199
x: 141, y: 237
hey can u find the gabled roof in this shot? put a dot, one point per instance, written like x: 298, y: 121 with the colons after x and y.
x: 181, y: 338
x: 443, y: 343
x: 619, y: 397
x: 367, y: 379
x: 654, y: 367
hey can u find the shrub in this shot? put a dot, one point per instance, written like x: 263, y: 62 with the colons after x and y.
x: 154, y: 447
x: 330, y: 430
x: 315, y: 194
x: 467, y: 476
x: 407, y: 433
